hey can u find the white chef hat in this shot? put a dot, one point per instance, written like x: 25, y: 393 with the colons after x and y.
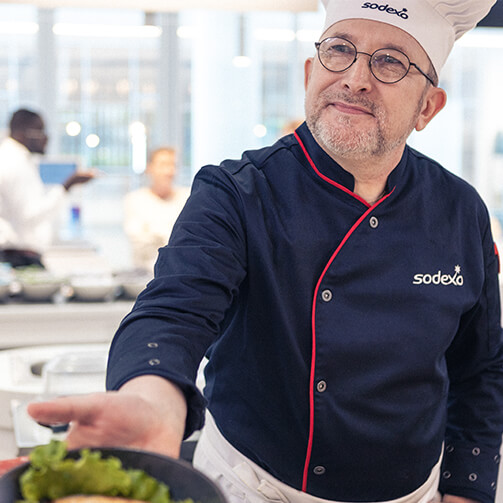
x: 435, y: 24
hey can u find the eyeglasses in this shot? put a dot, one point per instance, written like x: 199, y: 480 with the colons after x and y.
x: 388, y: 66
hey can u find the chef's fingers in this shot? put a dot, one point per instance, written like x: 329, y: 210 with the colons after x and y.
x: 112, y: 419
x: 65, y: 409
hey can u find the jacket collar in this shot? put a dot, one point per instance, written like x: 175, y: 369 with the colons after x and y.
x: 331, y: 169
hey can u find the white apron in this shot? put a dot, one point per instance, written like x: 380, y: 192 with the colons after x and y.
x: 242, y: 481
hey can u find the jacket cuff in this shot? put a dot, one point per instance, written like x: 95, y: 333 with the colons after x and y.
x: 470, y: 471
x: 196, y: 403
x: 196, y: 406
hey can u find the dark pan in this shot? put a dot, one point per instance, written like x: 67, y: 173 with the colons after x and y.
x: 183, y: 480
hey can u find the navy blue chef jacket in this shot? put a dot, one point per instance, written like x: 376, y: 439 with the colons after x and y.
x: 346, y: 343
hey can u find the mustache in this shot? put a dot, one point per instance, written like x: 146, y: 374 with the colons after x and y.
x: 349, y: 98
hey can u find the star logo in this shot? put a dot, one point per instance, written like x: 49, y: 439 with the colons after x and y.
x: 457, y: 269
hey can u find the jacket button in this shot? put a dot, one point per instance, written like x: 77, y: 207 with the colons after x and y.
x: 321, y: 386
x: 154, y: 361
x: 152, y: 345
x: 319, y: 470
x: 373, y: 222
x: 326, y: 295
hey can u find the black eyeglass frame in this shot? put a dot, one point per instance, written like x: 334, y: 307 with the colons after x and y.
x: 318, y: 44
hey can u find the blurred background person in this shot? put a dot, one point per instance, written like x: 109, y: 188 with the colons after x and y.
x: 28, y: 209
x: 150, y: 212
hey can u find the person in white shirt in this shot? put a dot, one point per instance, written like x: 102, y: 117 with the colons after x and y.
x: 28, y: 209
x: 150, y: 212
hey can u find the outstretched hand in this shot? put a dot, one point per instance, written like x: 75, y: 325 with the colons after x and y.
x: 79, y: 177
x: 125, y: 418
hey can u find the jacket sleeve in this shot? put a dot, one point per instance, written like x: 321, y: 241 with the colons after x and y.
x: 197, y: 277
x: 25, y: 194
x: 475, y: 407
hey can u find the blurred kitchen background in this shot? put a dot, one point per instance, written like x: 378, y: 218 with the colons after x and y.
x: 211, y: 78
x: 112, y: 82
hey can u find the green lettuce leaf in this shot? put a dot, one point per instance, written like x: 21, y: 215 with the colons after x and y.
x: 51, y: 475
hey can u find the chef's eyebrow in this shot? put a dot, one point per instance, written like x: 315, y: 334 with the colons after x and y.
x: 349, y: 37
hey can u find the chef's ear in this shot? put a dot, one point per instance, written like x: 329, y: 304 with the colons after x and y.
x: 434, y: 101
x: 308, y: 67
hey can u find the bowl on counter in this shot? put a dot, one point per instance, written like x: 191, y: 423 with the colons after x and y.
x: 132, y: 288
x: 40, y: 291
x: 4, y: 289
x: 38, y: 284
x: 94, y: 288
x: 132, y: 282
x: 6, y: 279
x: 183, y: 480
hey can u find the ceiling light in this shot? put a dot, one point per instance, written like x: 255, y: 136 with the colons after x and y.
x: 111, y: 31
x: 18, y: 28
x: 92, y: 140
x: 73, y: 128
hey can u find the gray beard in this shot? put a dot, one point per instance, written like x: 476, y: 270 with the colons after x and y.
x: 341, y: 138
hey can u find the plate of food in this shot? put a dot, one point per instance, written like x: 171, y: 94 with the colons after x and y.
x: 105, y: 475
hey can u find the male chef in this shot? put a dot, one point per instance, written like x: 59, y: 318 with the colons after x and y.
x: 343, y: 286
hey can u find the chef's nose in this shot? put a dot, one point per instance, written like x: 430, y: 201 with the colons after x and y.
x: 358, y: 77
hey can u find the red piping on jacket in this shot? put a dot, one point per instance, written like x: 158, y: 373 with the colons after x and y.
x: 497, y: 253
x: 329, y: 180
x: 316, y: 290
